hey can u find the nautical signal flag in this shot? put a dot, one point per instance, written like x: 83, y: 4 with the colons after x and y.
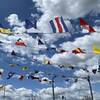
x: 13, y: 53
x: 20, y: 42
x: 21, y: 77
x: 25, y: 68
x: 94, y: 71
x: 10, y: 75
x: 58, y: 25
x: 86, y: 26
x: 78, y: 50
x: 95, y: 49
x: 40, y: 42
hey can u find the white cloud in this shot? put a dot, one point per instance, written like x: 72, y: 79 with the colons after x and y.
x: 74, y: 92
x: 16, y: 94
x: 65, y: 8
x: 14, y: 20
x: 85, y: 43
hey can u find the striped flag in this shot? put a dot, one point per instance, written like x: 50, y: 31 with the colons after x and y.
x: 58, y: 25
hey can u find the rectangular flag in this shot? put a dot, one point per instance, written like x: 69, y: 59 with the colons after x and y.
x: 58, y: 25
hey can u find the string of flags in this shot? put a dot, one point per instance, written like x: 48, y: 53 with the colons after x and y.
x: 94, y: 70
x: 33, y: 76
x: 95, y: 49
x: 58, y: 25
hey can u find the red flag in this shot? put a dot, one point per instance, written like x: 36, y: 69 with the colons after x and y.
x: 58, y: 24
x: 85, y: 25
x: 78, y: 50
x: 21, y: 77
x: 20, y: 43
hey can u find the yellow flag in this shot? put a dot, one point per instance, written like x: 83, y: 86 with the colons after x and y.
x: 95, y: 49
x: 5, y: 31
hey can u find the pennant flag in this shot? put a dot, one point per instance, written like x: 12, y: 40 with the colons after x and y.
x: 94, y: 71
x: 85, y: 25
x: 76, y: 79
x: 36, y: 71
x: 34, y: 78
x: 61, y: 51
x: 13, y: 53
x: 29, y: 24
x: 67, y: 79
x: 10, y: 75
x: 95, y: 49
x: 45, y: 80
x: 47, y: 62
x: 20, y: 42
x: 58, y: 25
x: 40, y: 42
x: 21, y: 77
x: 78, y: 50
x: 25, y: 68
x: 71, y: 66
x: 63, y: 98
x: 61, y: 66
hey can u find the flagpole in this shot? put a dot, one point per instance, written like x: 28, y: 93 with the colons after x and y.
x: 4, y: 90
x: 90, y: 86
x: 53, y: 92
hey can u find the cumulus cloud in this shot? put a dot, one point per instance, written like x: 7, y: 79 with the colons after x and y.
x: 56, y: 8
x: 85, y: 43
x: 13, y: 19
x: 12, y: 93
x: 18, y: 25
x: 65, y: 8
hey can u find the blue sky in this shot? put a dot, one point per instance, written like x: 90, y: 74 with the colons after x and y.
x: 23, y: 8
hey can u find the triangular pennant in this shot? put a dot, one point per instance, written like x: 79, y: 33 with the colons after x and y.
x: 13, y: 53
x: 20, y: 42
x: 85, y: 25
x: 10, y: 75
x: 21, y: 77
x: 94, y: 71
